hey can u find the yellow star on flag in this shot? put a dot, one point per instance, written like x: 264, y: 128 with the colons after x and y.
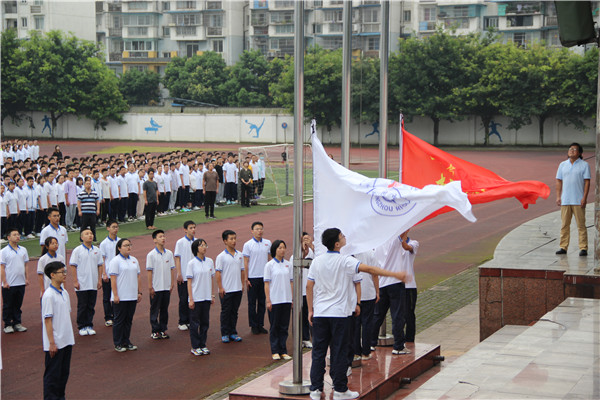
x: 442, y: 180
x: 451, y: 168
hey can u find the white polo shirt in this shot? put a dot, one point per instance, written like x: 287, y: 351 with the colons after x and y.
x: 12, y: 200
x: 161, y: 265
x: 231, y: 267
x: 201, y: 271
x: 86, y: 262
x: 61, y: 236
x: 126, y: 270
x: 332, y: 274
x: 45, y: 260
x: 133, y: 182
x: 279, y: 274
x: 257, y: 254
x: 183, y: 250
x: 14, y: 264
x: 108, y: 248
x: 57, y: 305
x: 409, y: 263
x: 395, y: 260
x: 229, y: 171
x: 367, y: 287
x: 184, y: 171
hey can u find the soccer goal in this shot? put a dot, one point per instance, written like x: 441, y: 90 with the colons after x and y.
x: 278, y: 187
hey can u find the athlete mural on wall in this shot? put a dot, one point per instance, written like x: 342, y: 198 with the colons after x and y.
x: 255, y: 128
x: 153, y: 126
x: 46, y: 121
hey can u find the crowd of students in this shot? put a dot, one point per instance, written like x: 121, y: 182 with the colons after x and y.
x: 124, y: 187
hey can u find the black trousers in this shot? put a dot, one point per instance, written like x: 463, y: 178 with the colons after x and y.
x: 12, y: 300
x: 231, y: 191
x: 124, y: 311
x: 261, y: 186
x: 230, y: 303
x: 184, y: 309
x: 86, y: 305
x: 306, y: 328
x: 391, y: 297
x: 363, y: 328
x: 279, y: 318
x: 256, y: 303
x: 132, y: 205
x: 162, y: 202
x: 165, y: 205
x: 200, y: 318
x: 122, y: 208
x: 104, y: 206
x: 41, y: 219
x: 113, y: 209
x: 28, y: 220
x: 106, y: 304
x: 150, y: 212
x: 3, y: 227
x: 409, y: 317
x: 348, y: 340
x: 63, y: 213
x: 209, y: 203
x: 56, y: 373
x: 246, y: 193
x: 88, y: 220
x: 13, y: 221
x: 198, y: 198
x: 329, y: 332
x: 159, y: 310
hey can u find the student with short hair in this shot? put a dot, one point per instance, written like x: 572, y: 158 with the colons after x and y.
x: 150, y: 190
x: 256, y: 252
x: 200, y: 273
x: 57, y: 337
x: 124, y: 271
x: 108, y: 249
x: 55, y: 230
x: 183, y: 255
x: 231, y: 277
x: 279, y: 278
x: 161, y: 279
x: 49, y: 254
x: 86, y: 260
x: 14, y: 277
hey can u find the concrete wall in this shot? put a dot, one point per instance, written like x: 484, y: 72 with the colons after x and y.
x: 269, y: 129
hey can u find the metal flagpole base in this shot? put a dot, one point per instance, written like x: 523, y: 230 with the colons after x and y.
x: 387, y: 340
x: 289, y: 387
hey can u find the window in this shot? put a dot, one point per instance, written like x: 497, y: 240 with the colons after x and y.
x: 284, y: 28
x: 259, y: 18
x: 166, y: 31
x: 520, y: 20
x: 333, y: 16
x: 428, y: 14
x: 185, y: 5
x: 373, y: 44
x: 371, y: 15
x: 490, y: 22
x: 11, y: 23
x: 317, y: 28
x: 138, y: 20
x: 336, y: 28
x: 185, y: 31
x: 217, y: 46
x: 458, y: 23
x: 552, y: 38
x: 138, y: 45
x: 282, y: 17
x: 332, y: 43
x: 213, y: 5
x: 24, y: 22
x: 461, y: 11
x: 318, y: 3
x: 185, y: 19
x: 166, y: 5
x: 10, y: 7
x: 215, y: 21
x: 138, y: 5
x: 192, y: 49
x: 38, y: 2
x: 282, y: 44
x: 140, y: 68
x: 284, y: 4
x: 117, y: 22
x: 167, y: 54
x: 407, y: 15
x: 519, y: 38
x: 137, y: 31
x: 38, y: 22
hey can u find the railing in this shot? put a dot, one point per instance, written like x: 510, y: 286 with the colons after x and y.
x: 36, y: 9
x: 214, y: 5
x: 551, y: 21
x: 138, y: 54
x: 214, y: 31
x: 115, y: 7
x: 116, y: 32
x: 370, y: 28
x: 261, y: 30
x: 115, y: 56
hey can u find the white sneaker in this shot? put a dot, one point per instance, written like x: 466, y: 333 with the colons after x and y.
x: 307, y: 344
x: 9, y: 329
x: 30, y: 236
x: 348, y: 394
x: 315, y: 394
x: 349, y: 371
x: 83, y: 332
x: 20, y: 328
x: 90, y: 331
x: 182, y: 327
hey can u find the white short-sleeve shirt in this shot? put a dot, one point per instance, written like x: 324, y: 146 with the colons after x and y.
x: 201, y: 271
x: 367, y: 287
x: 57, y: 305
x: 45, y: 260
x: 257, y: 254
x: 332, y: 274
x: 126, y: 270
x: 108, y: 248
x: 161, y: 265
x: 279, y: 274
x: 231, y: 267
x: 14, y: 264
x: 183, y: 250
x: 396, y: 259
x: 86, y: 262
x: 61, y: 236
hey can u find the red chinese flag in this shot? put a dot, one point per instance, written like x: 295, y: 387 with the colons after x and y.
x: 424, y: 164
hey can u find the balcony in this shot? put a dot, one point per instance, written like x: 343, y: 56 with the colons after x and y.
x: 551, y: 21
x: 261, y: 30
x: 133, y: 32
x: 115, y: 7
x: 36, y: 9
x: 10, y: 7
x: 99, y: 6
x: 214, y: 5
x: 259, y: 21
x: 370, y: 28
x: 115, y: 32
x: 426, y: 26
x: 115, y: 57
x: 214, y: 31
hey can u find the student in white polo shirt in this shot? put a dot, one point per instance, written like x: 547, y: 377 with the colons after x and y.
x: 369, y: 295
x: 256, y: 253
x: 161, y: 280
x: 49, y: 254
x: 200, y: 272
x: 279, y: 278
x: 108, y: 249
x: 86, y: 262
x: 57, y: 337
x: 55, y: 230
x: 183, y: 255
x: 13, y: 275
x: 124, y: 272
x: 231, y: 276
x: 329, y: 286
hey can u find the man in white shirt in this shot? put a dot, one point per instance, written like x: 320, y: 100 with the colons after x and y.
x: 184, y: 190
x: 123, y: 195
x: 108, y: 249
x: 133, y: 190
x: 55, y: 230
x: 229, y: 176
x: 183, y: 255
x: 256, y: 253
x: 328, y: 289
x: 14, y: 278
x: 161, y: 279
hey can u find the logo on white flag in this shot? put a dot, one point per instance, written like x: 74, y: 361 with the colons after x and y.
x: 389, y: 202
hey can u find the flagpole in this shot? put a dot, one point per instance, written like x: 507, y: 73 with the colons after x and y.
x: 400, y: 145
x: 297, y: 385
x: 346, y: 81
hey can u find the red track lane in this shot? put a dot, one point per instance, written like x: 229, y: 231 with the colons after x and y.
x: 165, y: 369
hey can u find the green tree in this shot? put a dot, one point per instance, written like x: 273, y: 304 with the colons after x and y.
x: 13, y: 93
x: 365, y: 90
x: 139, y: 87
x: 322, y: 86
x: 198, y: 78
x: 248, y: 82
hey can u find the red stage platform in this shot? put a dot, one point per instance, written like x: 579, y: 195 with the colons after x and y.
x: 377, y: 378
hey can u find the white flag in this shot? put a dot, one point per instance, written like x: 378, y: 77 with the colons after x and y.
x: 370, y: 211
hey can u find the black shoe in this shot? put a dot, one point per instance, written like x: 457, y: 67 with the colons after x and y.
x: 255, y: 330
x: 583, y: 253
x: 561, y: 251
x: 262, y: 330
